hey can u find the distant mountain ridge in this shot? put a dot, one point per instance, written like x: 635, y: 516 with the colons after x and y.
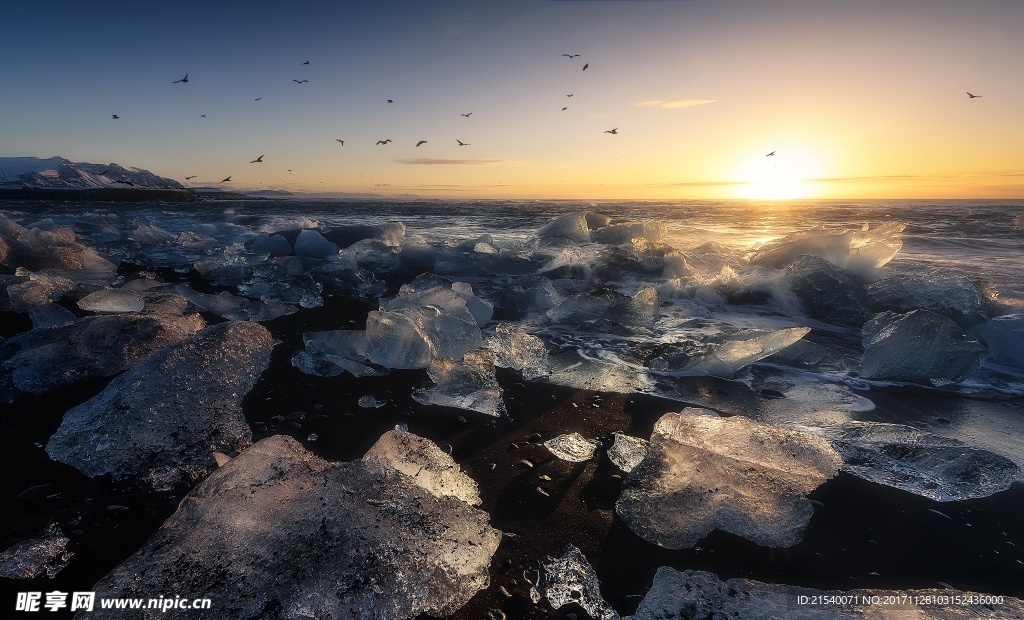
x: 60, y: 173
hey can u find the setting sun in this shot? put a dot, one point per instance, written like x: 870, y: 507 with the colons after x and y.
x: 783, y: 174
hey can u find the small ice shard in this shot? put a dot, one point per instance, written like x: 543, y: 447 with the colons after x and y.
x: 827, y: 292
x: 111, y: 301
x: 568, y: 227
x: 376, y: 540
x: 36, y: 557
x: 861, y: 251
x: 469, y: 384
x: 703, y: 472
x: 572, y: 447
x: 615, y: 234
x: 1004, y: 336
x: 627, y: 452
x: 513, y: 348
x: 726, y: 358
x: 50, y: 315
x: 953, y: 294
x: 312, y: 244
x: 430, y: 467
x: 272, y: 244
x: 698, y: 594
x: 235, y: 308
x: 159, y: 422
x: 570, y: 579
x: 903, y: 457
x: 369, y: 402
x: 330, y: 353
x: 918, y: 347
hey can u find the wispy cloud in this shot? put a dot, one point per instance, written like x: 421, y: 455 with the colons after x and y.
x: 426, y: 161
x: 669, y: 104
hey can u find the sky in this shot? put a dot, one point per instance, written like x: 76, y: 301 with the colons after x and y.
x: 710, y: 99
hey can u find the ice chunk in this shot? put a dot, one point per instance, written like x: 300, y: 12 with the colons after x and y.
x: 827, y: 292
x: 698, y: 594
x: 469, y: 384
x: 36, y: 290
x: 44, y: 360
x: 572, y: 447
x: 953, y: 294
x: 918, y: 347
x: 369, y: 402
x: 372, y: 254
x: 235, y: 308
x: 274, y: 245
x: 50, y: 315
x: 903, y: 457
x: 330, y: 353
x: 704, y: 472
x: 418, y: 257
x: 568, y: 227
x: 392, y: 233
x: 134, y: 430
x: 570, y: 579
x: 627, y: 452
x: 861, y: 251
x: 1004, y: 336
x: 641, y: 310
x: 727, y: 357
x: 513, y: 348
x: 312, y: 244
x: 430, y: 467
x: 411, y: 337
x: 380, y: 544
x: 615, y: 234
x: 36, y: 557
x: 111, y: 301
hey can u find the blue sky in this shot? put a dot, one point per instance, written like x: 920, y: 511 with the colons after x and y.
x: 699, y: 90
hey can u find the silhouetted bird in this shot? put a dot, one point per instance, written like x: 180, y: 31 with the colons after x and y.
x: 202, y: 116
x: 421, y: 142
x: 340, y: 140
x: 226, y: 180
x: 190, y: 178
x: 770, y: 154
x: 585, y: 66
x: 257, y: 98
x: 99, y: 174
x: 306, y: 63
x: 390, y: 101
x: 383, y: 141
x: 570, y: 55
x: 114, y: 116
x: 612, y: 131
x: 466, y: 115
x: 300, y: 81
x: 123, y: 182
x: 183, y: 80
x: 461, y: 143
x: 258, y: 160
x: 569, y: 95
x: 973, y: 96
x: 564, y: 109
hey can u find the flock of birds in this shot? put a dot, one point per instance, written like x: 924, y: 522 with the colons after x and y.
x: 386, y: 141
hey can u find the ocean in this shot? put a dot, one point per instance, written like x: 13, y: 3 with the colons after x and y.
x: 772, y: 311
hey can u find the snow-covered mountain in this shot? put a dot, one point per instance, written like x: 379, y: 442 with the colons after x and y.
x: 59, y: 173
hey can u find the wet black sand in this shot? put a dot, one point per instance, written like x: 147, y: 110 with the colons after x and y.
x: 863, y: 536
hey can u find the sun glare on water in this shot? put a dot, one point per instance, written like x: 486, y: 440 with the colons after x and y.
x: 786, y: 174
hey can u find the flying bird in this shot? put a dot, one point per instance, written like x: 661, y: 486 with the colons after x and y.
x: 306, y: 63
x: 257, y: 98
x: 202, y: 116
x: 183, y: 80
x: 300, y: 81
x: 258, y: 160
x: 461, y: 143
x: 99, y: 174
x: 467, y: 115
x: 613, y: 131
x: 226, y: 180
x: 770, y: 154
x: 340, y: 140
x: 570, y: 55
x: 114, y: 116
x: 585, y: 66
x: 569, y: 95
x: 973, y: 96
x: 421, y: 142
x: 383, y: 141
x: 564, y: 109
x: 190, y: 178
x: 390, y: 101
